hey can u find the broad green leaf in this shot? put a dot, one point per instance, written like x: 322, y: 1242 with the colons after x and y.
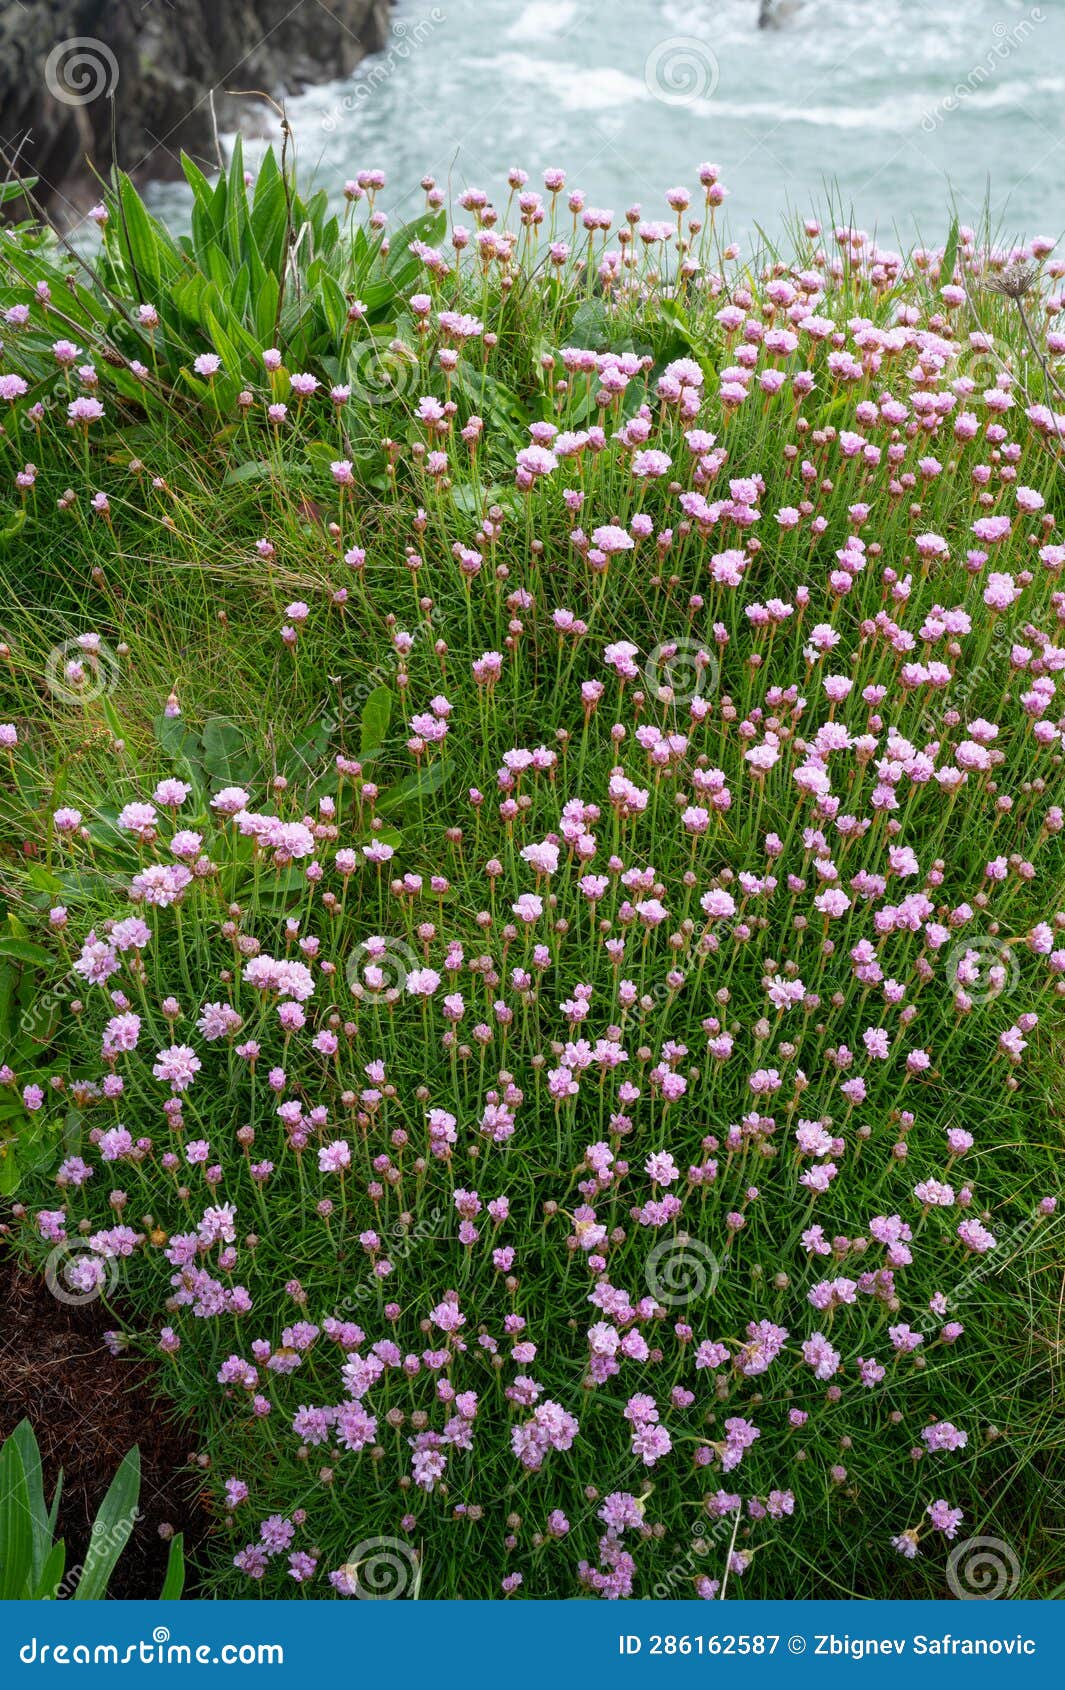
x: 48, y: 1580
x: 138, y: 238
x: 15, y: 190
x: 202, y: 191
x: 376, y: 715
x: 268, y: 221
x: 222, y: 744
x: 254, y: 470
x: 16, y: 1529
x: 111, y: 1529
x: 10, y: 1176
x: 23, y: 1436
x: 24, y: 950
x: 418, y: 786
x: 172, y: 734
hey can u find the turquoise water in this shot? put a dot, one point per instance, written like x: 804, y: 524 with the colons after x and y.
x: 899, y: 103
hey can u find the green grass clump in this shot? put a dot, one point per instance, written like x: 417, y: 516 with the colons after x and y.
x: 532, y: 819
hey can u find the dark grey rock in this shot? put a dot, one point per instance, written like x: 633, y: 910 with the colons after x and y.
x: 138, y: 86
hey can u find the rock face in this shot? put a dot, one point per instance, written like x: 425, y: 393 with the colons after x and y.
x: 83, y: 82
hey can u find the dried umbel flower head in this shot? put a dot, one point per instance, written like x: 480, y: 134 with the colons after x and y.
x: 1016, y: 282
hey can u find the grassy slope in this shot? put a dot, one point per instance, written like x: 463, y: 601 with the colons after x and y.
x: 178, y: 583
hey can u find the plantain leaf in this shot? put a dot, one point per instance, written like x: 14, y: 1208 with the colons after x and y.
x: 376, y: 715
x: 16, y: 1538
x: 111, y: 1528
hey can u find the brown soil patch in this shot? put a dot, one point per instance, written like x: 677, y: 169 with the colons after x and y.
x: 87, y: 1409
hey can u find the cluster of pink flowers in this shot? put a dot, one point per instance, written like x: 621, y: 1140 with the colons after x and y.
x: 629, y: 1104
